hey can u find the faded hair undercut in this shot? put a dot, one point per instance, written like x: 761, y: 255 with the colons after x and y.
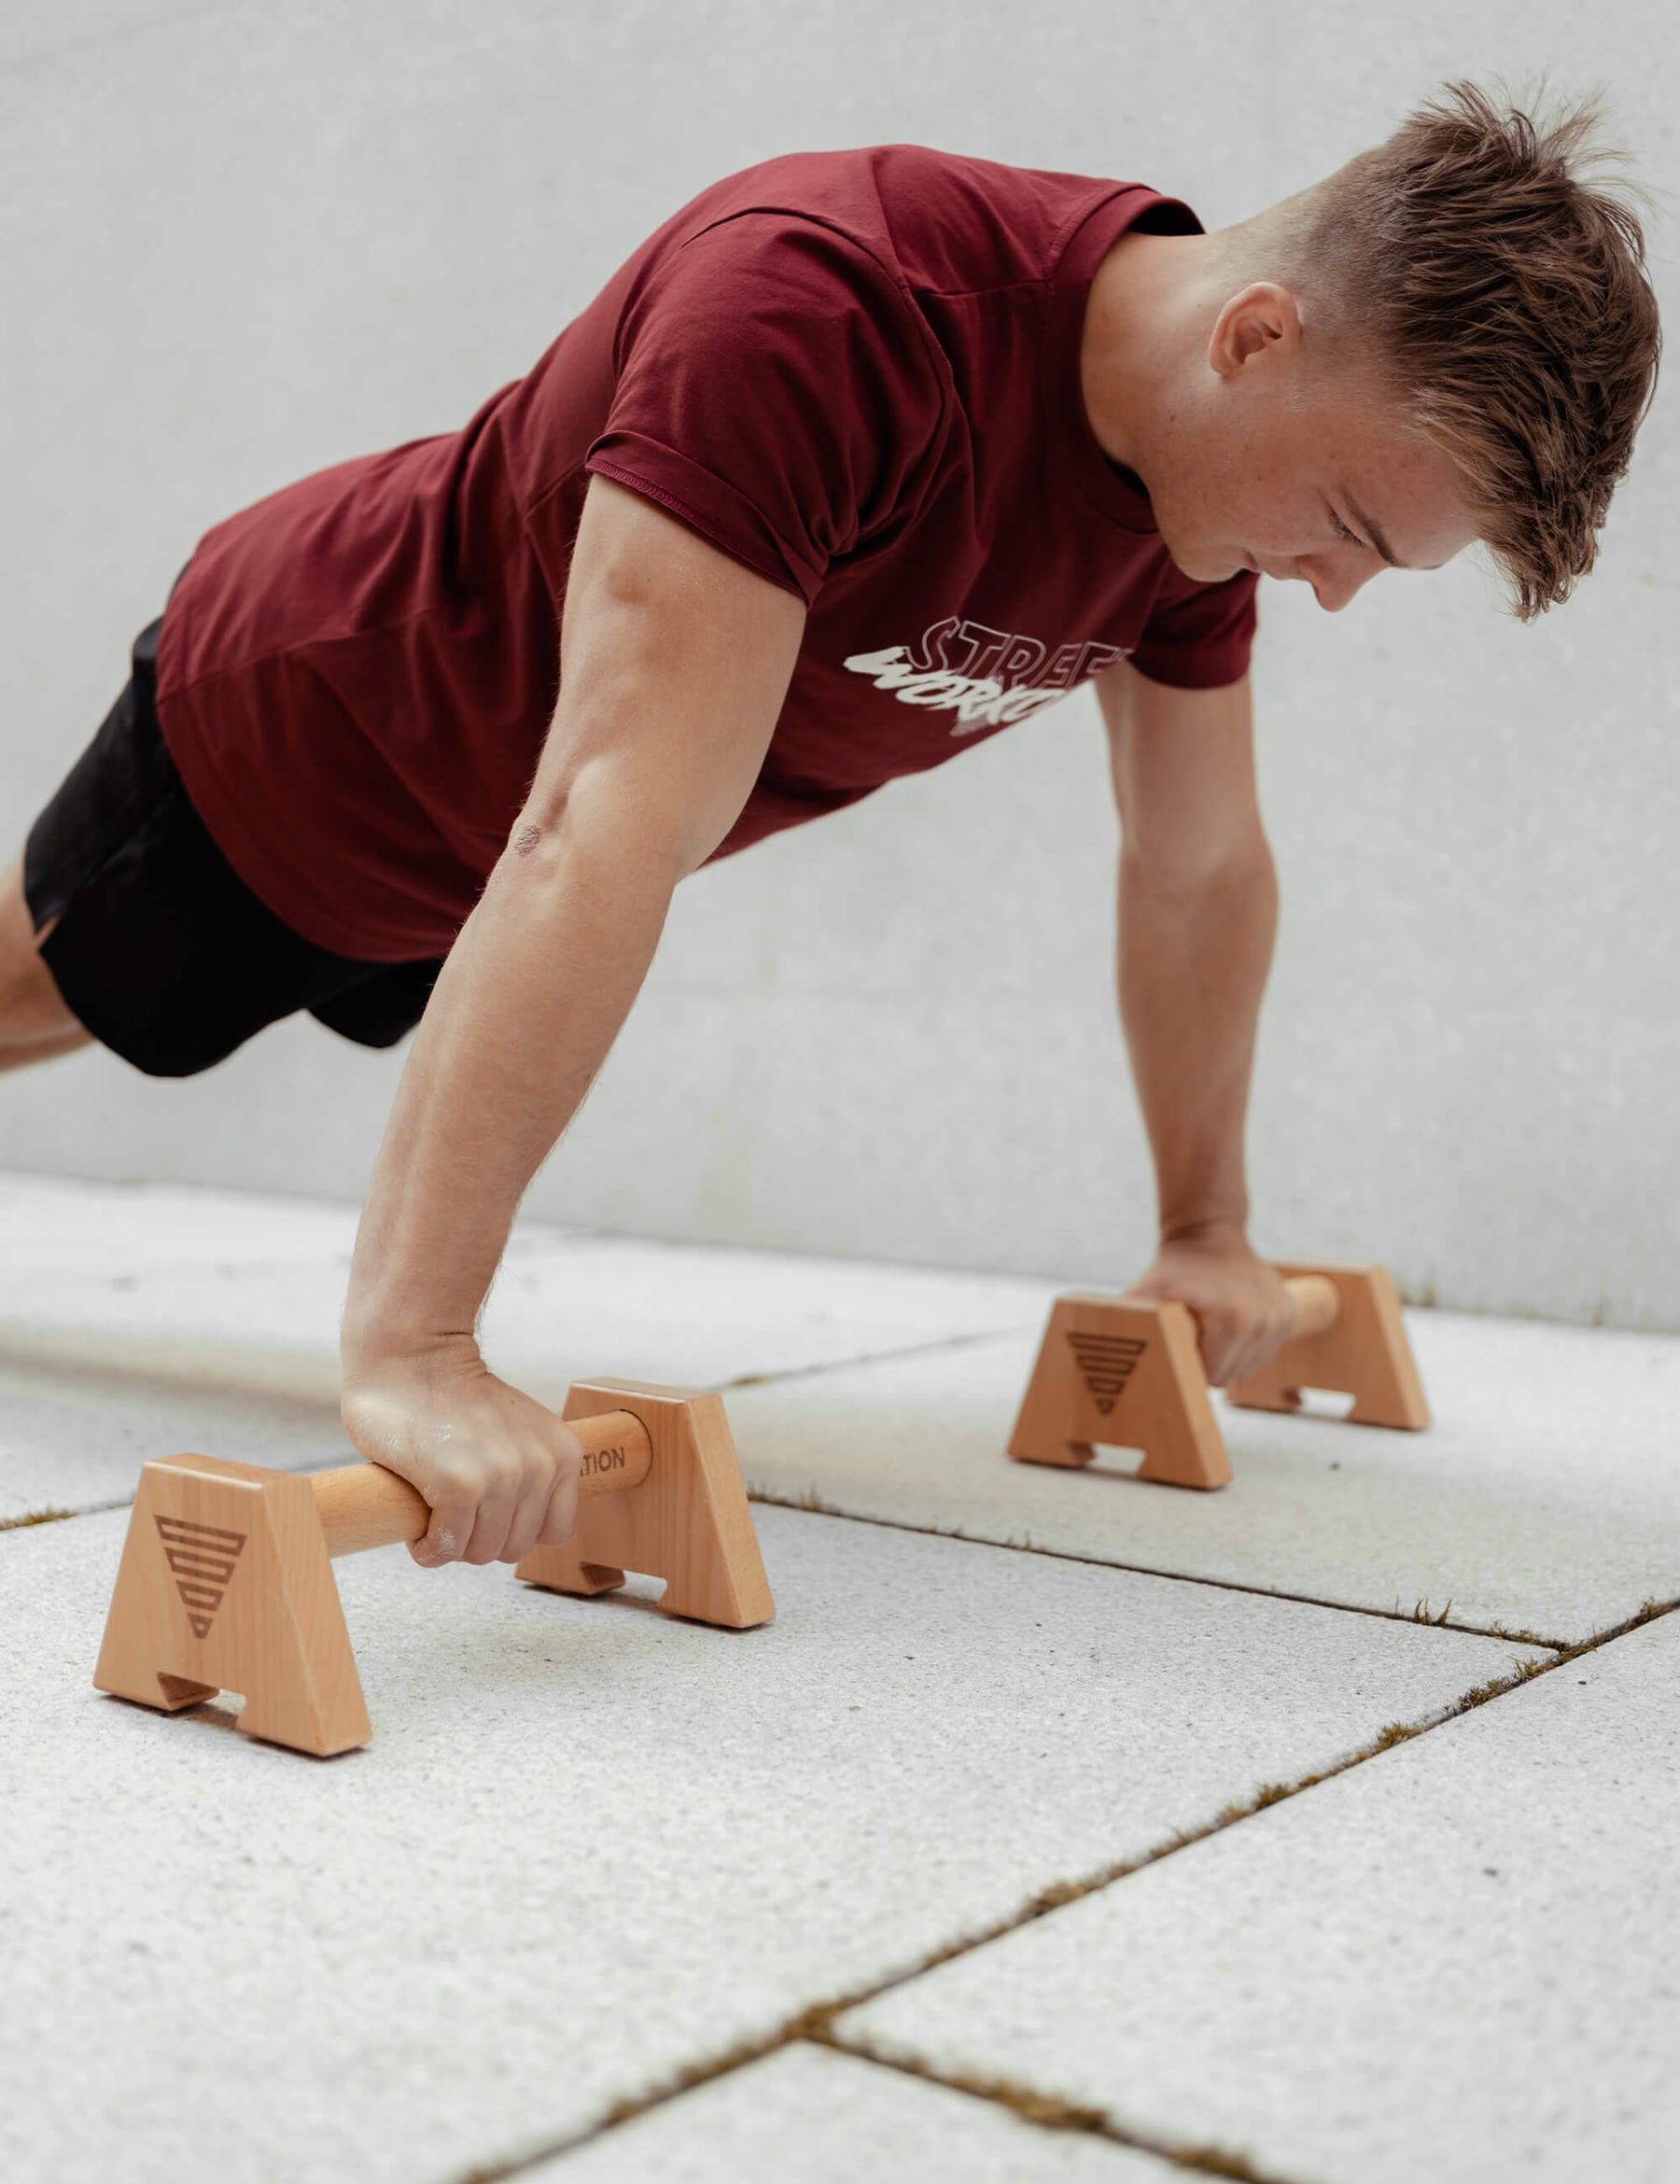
x: 1503, y: 285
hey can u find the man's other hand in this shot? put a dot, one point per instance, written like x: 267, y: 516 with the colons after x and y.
x: 1242, y: 1309
x: 499, y: 1471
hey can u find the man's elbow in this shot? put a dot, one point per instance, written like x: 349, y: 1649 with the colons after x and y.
x: 1201, y: 870
x: 605, y: 812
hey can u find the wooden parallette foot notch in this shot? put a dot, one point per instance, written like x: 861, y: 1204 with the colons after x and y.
x: 1123, y: 1371
x: 1360, y: 1349
x: 1127, y: 1372
x: 226, y: 1579
x: 695, y: 1531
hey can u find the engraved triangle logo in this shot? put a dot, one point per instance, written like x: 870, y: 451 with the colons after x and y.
x: 1106, y: 1363
x: 201, y: 1560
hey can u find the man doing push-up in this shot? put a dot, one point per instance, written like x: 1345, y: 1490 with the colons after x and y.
x: 861, y: 459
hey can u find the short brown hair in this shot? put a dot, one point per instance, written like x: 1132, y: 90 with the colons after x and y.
x: 1510, y: 303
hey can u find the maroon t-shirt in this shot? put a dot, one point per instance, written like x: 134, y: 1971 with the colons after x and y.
x: 857, y: 373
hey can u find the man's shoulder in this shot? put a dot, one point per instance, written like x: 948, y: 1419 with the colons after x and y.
x: 942, y: 221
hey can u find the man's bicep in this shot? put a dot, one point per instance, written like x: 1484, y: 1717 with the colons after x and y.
x: 1183, y: 773
x: 675, y: 659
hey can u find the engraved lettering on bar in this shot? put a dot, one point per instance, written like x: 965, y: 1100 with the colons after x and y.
x: 603, y: 1460
x: 1106, y: 1363
x: 201, y: 1560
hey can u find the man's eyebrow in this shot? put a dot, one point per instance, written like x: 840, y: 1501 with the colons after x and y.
x: 1374, y: 534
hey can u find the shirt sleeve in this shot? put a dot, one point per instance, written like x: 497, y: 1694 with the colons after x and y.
x: 1198, y: 637
x: 777, y: 391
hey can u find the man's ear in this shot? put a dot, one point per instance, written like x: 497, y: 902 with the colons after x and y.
x: 1262, y: 320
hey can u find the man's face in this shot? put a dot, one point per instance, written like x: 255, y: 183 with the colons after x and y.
x: 1298, y: 467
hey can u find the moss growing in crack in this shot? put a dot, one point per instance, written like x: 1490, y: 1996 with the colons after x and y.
x: 1053, y: 1898
x: 1269, y: 1793
x: 1520, y: 1672
x: 816, y: 2024
x: 807, y: 1499
x: 47, y: 1515
x: 1048, y: 2110
x: 1055, y: 2112
x: 1213, y: 2161
x: 810, y: 2024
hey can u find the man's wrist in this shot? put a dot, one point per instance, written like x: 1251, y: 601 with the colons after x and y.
x: 1205, y: 1228
x: 370, y: 1342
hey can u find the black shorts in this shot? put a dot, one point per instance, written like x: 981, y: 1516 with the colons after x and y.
x: 160, y: 950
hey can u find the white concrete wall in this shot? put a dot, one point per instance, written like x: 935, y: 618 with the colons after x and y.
x: 243, y: 238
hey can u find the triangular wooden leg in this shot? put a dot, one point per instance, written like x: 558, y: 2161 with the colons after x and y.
x: 1364, y: 1354
x: 1124, y: 1372
x: 688, y: 1521
x: 225, y: 1585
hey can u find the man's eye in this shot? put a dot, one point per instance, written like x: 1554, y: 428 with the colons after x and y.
x: 1342, y: 531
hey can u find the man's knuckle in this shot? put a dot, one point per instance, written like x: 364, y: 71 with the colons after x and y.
x: 541, y: 1469
x: 497, y: 1476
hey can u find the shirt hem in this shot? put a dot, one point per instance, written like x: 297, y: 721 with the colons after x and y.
x: 206, y: 792
x: 1211, y: 674
x: 709, y: 528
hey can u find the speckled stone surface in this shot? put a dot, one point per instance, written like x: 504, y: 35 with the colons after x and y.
x: 1455, y: 1962
x: 588, y: 1846
x: 1544, y: 1499
x: 243, y: 1291
x: 77, y: 1442
x: 806, y: 2115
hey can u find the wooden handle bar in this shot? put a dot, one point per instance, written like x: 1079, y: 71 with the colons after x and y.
x: 365, y: 1506
x: 1317, y: 1303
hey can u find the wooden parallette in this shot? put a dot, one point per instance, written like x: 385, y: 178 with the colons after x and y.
x: 226, y: 1579
x: 1127, y: 1372
x: 1360, y: 1349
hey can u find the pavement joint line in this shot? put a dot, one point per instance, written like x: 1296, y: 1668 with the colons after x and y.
x: 50, y: 1515
x: 869, y: 1357
x: 47, y: 1515
x: 16, y: 1337
x: 811, y: 1502
x: 816, y: 2022
x: 1053, y: 2113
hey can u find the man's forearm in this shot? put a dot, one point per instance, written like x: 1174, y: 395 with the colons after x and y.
x: 1193, y: 965
x: 675, y: 662
x: 528, y: 1007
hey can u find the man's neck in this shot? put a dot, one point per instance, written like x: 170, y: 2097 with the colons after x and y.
x: 1142, y: 321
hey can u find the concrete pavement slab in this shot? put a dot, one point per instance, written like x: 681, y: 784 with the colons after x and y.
x: 1544, y: 1499
x: 77, y: 1442
x: 53, y: 1227
x: 590, y: 1847
x: 242, y: 1292
x: 1456, y: 1961
x: 808, y: 2113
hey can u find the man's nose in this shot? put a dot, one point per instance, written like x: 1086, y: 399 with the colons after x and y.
x: 1333, y: 587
